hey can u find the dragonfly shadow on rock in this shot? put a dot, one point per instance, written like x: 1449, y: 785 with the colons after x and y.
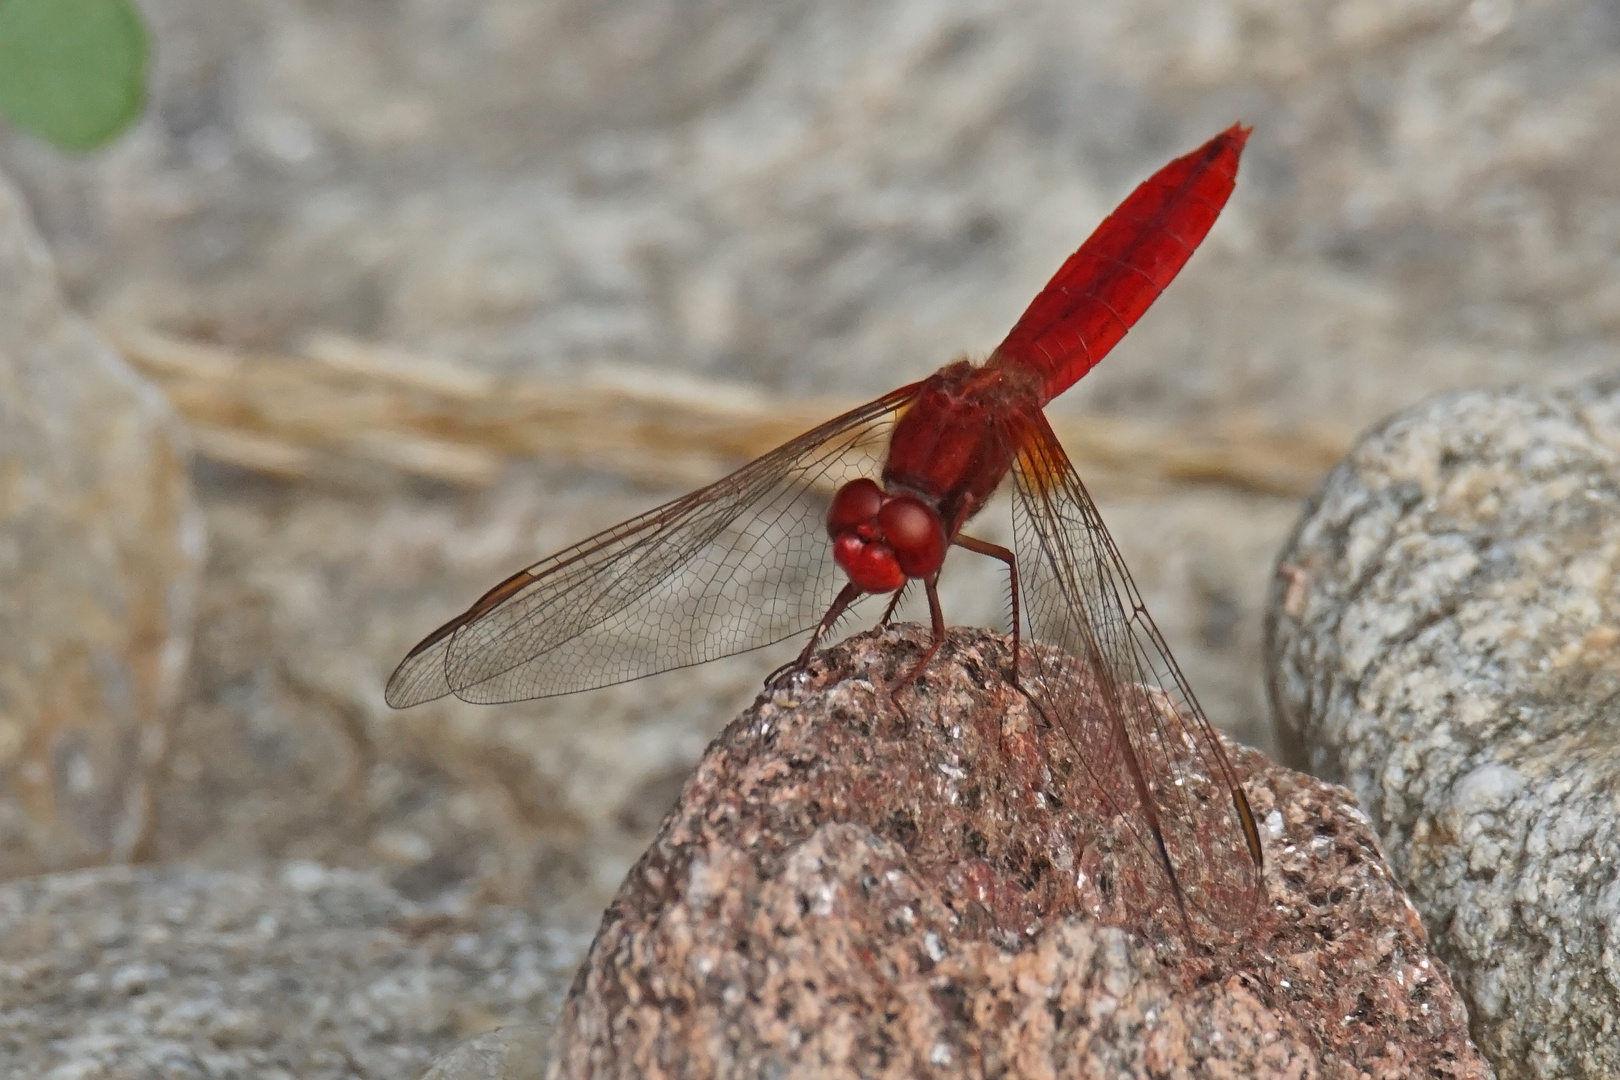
x: 1020, y: 818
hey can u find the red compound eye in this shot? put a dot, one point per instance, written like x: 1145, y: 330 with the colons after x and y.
x: 881, y: 540
x: 870, y: 565
x: 858, y: 542
x: 913, y: 530
x: 857, y: 503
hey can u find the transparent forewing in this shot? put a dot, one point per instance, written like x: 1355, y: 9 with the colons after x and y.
x: 1098, y: 669
x: 739, y: 564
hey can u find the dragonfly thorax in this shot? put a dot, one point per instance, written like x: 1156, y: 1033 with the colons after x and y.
x: 883, y: 540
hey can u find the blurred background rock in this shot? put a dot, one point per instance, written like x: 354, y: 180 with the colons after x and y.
x: 345, y: 233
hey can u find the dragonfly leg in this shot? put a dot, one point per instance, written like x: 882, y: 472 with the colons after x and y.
x: 937, y: 616
x: 850, y: 593
x: 894, y: 602
x: 996, y: 551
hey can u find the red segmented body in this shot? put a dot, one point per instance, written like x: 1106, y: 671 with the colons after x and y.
x: 1105, y: 286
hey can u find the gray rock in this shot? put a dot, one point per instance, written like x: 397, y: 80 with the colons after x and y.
x: 860, y: 885
x: 100, y: 545
x: 1443, y: 640
x: 508, y: 1053
x: 299, y: 972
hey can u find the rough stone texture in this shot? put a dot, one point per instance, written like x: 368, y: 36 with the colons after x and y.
x: 508, y: 1053
x: 1443, y: 640
x: 299, y: 972
x: 817, y: 905
x: 100, y: 546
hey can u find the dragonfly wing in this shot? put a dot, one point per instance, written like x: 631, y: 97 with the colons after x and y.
x: 733, y: 566
x: 1098, y: 670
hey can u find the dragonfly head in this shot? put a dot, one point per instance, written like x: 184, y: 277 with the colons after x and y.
x: 883, y: 540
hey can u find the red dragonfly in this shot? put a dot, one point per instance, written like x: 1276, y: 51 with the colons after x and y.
x: 745, y: 562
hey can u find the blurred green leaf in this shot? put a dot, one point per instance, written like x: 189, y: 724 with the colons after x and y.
x: 72, y: 71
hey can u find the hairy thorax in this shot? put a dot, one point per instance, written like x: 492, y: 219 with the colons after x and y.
x: 954, y: 445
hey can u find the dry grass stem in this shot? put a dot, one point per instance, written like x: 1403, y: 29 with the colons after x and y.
x: 340, y: 405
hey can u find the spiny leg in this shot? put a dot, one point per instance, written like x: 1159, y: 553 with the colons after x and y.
x: 996, y: 551
x: 937, y: 615
x: 850, y: 593
x: 894, y: 602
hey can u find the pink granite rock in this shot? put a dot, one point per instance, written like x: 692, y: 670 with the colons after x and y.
x: 813, y: 906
